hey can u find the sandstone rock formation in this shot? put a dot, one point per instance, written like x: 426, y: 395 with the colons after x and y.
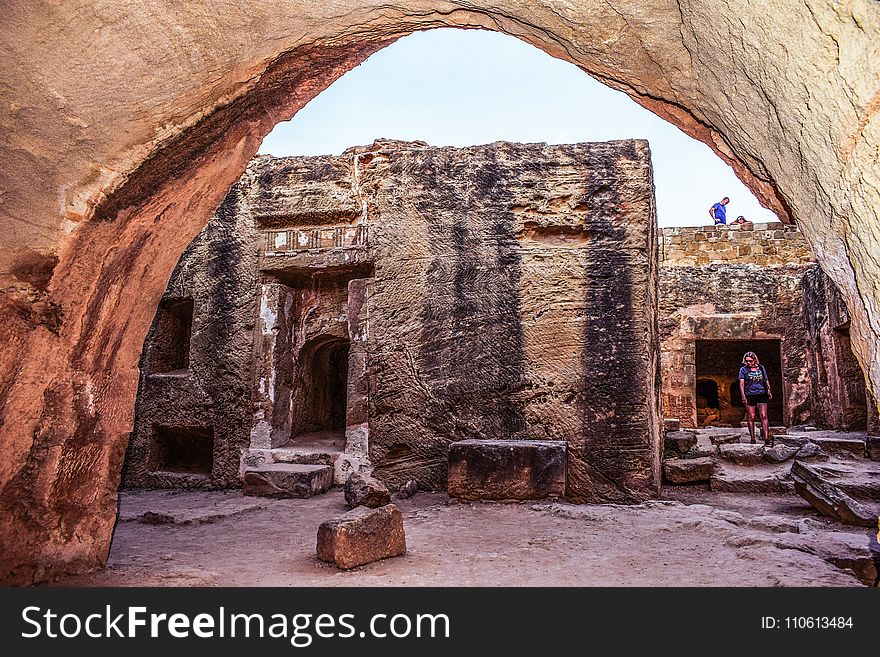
x: 395, y: 307
x: 136, y: 121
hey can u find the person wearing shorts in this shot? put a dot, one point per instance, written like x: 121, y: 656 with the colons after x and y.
x: 754, y: 386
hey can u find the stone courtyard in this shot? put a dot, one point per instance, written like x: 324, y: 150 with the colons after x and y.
x: 690, y: 536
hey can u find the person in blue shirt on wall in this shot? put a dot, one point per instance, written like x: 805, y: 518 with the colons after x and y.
x: 718, y: 212
x: 754, y: 386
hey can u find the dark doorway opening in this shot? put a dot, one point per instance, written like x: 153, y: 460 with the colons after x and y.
x: 324, y: 372
x: 181, y: 449
x: 717, y: 374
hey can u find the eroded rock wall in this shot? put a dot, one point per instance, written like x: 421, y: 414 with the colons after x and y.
x: 201, y: 392
x: 506, y: 292
x: 514, y: 298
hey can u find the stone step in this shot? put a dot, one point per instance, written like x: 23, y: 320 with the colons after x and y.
x: 840, y: 444
x: 303, y: 456
x: 742, y: 454
x: 859, y: 482
x: 507, y: 469
x: 287, y: 480
x: 750, y: 480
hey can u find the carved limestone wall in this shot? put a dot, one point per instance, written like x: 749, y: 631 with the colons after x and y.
x: 493, y: 292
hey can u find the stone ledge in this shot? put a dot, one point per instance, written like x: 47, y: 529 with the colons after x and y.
x: 287, y: 480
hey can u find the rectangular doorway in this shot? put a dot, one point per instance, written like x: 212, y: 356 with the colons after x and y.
x: 717, y: 380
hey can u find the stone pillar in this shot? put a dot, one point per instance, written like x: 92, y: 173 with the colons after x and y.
x: 357, y: 412
x: 273, y: 366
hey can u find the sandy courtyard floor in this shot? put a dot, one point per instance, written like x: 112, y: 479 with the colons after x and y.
x: 692, y: 537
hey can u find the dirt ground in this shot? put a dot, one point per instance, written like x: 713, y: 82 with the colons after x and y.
x: 691, y: 537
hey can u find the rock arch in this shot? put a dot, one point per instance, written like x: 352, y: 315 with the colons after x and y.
x: 124, y: 127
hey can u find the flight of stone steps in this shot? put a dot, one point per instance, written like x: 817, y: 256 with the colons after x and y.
x: 724, y: 458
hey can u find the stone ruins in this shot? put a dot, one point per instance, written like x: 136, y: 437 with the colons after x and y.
x: 478, y: 320
x: 124, y: 128
x: 373, y: 309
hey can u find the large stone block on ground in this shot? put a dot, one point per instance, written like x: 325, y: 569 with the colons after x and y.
x: 679, y: 442
x: 742, y: 454
x: 791, y: 441
x: 287, y: 480
x: 688, y: 471
x: 507, y: 469
x: 364, y: 490
x: 828, y: 499
x: 361, y: 536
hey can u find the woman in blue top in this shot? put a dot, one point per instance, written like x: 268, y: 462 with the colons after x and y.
x: 754, y: 386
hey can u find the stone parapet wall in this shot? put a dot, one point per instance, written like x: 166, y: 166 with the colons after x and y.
x: 763, y: 244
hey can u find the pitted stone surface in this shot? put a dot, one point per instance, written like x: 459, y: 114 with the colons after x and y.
x: 361, y: 536
x: 123, y: 190
x: 507, y: 469
x: 364, y: 490
x: 287, y: 480
x: 742, y: 454
x: 679, y: 442
x: 688, y: 471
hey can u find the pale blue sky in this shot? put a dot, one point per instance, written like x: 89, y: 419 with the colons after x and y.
x: 463, y: 87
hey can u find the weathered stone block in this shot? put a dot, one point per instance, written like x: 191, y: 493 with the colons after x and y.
x: 742, y: 454
x: 688, y: 471
x: 507, y: 469
x: 811, y: 451
x: 828, y: 499
x: 361, y: 536
x: 838, y: 444
x: 700, y: 451
x: 671, y: 424
x: 724, y: 438
x: 791, y: 441
x: 287, y: 480
x: 679, y: 442
x: 746, y: 482
x: 779, y: 453
x: 364, y: 490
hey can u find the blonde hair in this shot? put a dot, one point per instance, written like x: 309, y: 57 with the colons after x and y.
x: 751, y: 354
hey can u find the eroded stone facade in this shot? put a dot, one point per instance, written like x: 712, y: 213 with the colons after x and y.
x: 399, y: 298
x: 753, y: 287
